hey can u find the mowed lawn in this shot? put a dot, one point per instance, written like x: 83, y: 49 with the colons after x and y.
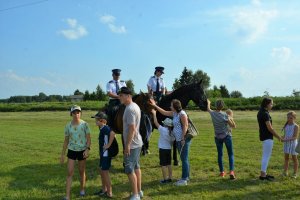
x: 31, y: 144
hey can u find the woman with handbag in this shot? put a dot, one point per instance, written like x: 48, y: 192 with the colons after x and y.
x: 221, y: 120
x: 180, y: 122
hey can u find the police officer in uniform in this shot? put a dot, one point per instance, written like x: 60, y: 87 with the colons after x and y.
x: 156, y: 85
x: 112, y: 89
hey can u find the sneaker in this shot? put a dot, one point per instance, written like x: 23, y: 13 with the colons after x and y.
x: 135, y: 197
x: 163, y: 181
x: 82, y: 193
x: 222, y: 174
x: 100, y: 193
x: 266, y: 178
x: 271, y: 177
x: 169, y: 180
x: 181, y: 182
x: 141, y: 193
x: 232, y: 176
x: 294, y: 176
x: 285, y: 174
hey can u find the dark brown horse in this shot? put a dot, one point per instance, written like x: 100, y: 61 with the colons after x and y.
x: 142, y: 100
x: 184, y: 94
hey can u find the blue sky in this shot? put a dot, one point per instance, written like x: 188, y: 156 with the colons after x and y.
x: 58, y: 46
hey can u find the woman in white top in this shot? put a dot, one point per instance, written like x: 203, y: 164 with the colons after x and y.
x: 180, y: 122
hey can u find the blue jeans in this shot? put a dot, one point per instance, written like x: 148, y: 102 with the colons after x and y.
x: 184, y: 157
x: 228, y: 143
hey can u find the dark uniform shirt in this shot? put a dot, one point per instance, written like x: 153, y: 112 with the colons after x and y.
x: 262, y: 117
x: 103, y: 140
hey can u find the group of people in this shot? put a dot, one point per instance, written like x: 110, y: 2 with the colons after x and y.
x: 174, y: 128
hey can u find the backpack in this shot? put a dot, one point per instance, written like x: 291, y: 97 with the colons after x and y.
x: 113, y: 150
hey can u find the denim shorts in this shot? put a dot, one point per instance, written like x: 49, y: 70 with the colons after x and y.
x: 131, y: 162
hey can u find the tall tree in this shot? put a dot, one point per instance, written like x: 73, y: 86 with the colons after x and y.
x: 224, y: 91
x: 130, y: 85
x: 100, y: 95
x: 185, y: 79
x: 77, y: 92
x: 236, y: 94
x: 200, y: 75
x: 86, y: 95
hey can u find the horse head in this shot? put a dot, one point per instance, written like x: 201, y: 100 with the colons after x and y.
x: 142, y: 100
x: 198, y: 95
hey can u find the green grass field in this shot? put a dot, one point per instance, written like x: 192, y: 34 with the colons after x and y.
x: 31, y: 144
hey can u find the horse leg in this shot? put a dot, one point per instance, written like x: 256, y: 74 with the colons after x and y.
x: 175, y: 160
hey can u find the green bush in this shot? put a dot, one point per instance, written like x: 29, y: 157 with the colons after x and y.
x: 50, y: 106
x: 253, y: 103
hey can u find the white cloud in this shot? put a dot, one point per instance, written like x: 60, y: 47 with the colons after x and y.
x: 75, y: 31
x: 251, y: 24
x: 11, y: 76
x: 282, y: 53
x: 109, y: 20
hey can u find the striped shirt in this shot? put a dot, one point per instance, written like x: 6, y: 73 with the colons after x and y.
x: 177, y: 130
x: 220, y: 120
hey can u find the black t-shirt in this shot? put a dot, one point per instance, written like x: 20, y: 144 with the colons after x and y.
x: 262, y: 117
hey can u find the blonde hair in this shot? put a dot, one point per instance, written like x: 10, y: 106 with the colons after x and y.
x: 292, y: 114
x: 229, y: 112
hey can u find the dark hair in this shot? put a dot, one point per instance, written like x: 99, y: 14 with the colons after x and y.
x: 265, y: 102
x: 177, y: 105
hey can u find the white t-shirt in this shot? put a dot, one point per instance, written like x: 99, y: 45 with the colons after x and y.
x: 165, y: 139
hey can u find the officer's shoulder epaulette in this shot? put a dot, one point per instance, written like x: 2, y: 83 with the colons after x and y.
x: 152, y: 76
x: 161, y: 78
x: 111, y: 81
x: 122, y: 81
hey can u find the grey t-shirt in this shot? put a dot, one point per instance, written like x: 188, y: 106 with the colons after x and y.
x: 132, y: 115
x: 220, y: 122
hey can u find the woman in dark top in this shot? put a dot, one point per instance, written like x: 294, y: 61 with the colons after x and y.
x: 266, y: 133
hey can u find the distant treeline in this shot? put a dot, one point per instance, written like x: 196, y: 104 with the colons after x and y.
x: 253, y: 103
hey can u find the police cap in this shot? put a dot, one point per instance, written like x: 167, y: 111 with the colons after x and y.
x: 116, y: 72
x: 159, y: 69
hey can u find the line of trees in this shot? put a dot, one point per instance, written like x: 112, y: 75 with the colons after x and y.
x: 188, y: 76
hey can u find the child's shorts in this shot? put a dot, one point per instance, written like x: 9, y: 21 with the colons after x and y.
x: 105, y: 163
x: 164, y: 157
x: 75, y: 155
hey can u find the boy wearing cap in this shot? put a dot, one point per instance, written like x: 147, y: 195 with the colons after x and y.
x: 106, y: 137
x: 132, y: 142
x: 166, y: 139
x: 156, y: 85
x: 112, y: 89
x: 78, y: 142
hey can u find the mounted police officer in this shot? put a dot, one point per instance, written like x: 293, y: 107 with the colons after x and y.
x: 112, y: 89
x: 156, y: 85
